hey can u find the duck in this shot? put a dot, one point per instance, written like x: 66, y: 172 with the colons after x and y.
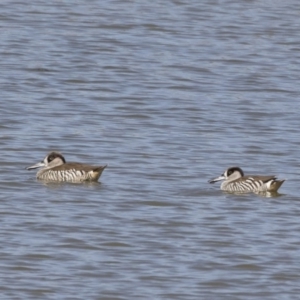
x: 236, y: 182
x: 56, y: 169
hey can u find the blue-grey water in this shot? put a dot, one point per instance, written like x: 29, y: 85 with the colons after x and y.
x: 168, y: 94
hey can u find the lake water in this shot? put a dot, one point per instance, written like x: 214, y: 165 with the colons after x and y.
x: 169, y: 94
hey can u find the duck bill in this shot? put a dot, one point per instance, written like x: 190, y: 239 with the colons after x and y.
x: 216, y: 179
x: 38, y: 165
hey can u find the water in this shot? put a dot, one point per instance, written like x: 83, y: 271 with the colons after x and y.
x: 169, y: 94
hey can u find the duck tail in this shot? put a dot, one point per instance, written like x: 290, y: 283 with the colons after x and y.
x: 97, y: 171
x: 275, y: 185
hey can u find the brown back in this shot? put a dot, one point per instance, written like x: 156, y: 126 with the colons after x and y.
x: 257, y: 177
x: 79, y: 167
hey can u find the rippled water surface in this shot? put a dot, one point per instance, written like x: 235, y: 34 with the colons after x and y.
x: 168, y: 94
